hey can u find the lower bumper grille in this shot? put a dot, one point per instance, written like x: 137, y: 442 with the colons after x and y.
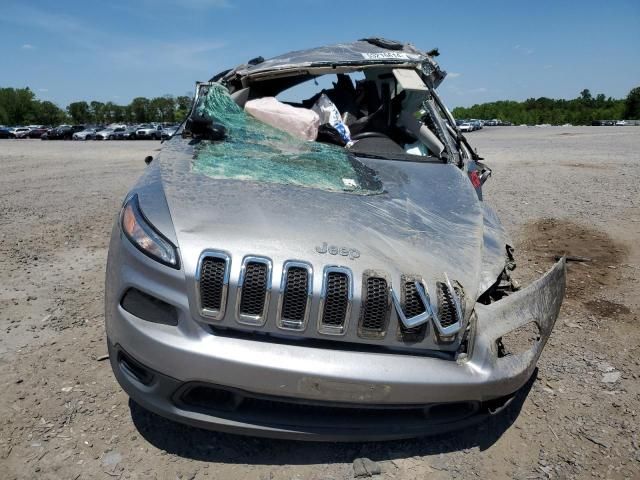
x: 226, y: 403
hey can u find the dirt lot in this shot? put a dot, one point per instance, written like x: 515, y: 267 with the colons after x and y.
x: 558, y: 190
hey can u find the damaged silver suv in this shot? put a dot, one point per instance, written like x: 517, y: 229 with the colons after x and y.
x: 325, y: 268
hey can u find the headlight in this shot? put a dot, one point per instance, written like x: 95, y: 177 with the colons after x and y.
x: 144, y: 237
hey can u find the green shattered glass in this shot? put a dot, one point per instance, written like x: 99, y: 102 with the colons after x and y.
x: 256, y: 151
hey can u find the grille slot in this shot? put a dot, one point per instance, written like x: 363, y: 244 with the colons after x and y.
x: 213, y: 279
x: 295, y: 296
x: 411, y: 305
x: 374, y: 314
x: 336, y: 300
x: 254, y: 289
x: 446, y: 307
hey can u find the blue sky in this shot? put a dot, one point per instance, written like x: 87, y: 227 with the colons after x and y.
x: 115, y: 50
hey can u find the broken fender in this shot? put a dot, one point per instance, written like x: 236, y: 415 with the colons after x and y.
x: 539, y: 303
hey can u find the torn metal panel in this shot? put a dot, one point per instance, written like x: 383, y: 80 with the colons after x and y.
x: 540, y: 303
x: 495, y: 240
x: 342, y: 54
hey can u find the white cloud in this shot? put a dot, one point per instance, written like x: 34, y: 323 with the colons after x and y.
x: 523, y: 50
x: 453, y: 74
x: 28, y: 46
x: 547, y: 67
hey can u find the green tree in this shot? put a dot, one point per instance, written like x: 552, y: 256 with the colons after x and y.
x: 183, y: 107
x: 18, y: 105
x: 632, y: 105
x: 162, y: 109
x: 48, y: 113
x: 79, y: 112
x: 140, y: 110
x: 97, y: 111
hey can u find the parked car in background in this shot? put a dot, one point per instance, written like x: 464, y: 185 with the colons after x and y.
x: 109, y: 133
x: 168, y: 132
x: 37, y: 132
x: 621, y: 123
x: 129, y: 133
x: 7, y: 133
x: 21, y: 132
x: 86, y: 134
x: 149, y: 131
x: 466, y: 127
x: 62, y: 132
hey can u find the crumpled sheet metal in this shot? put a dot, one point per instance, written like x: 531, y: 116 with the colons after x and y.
x: 495, y: 239
x: 540, y: 302
x: 354, y: 53
x: 255, y: 151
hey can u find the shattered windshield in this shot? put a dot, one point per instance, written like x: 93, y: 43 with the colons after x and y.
x: 258, y: 152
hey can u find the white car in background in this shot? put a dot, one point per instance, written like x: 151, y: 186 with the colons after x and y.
x: 86, y: 134
x: 149, y: 131
x: 21, y: 132
x: 466, y: 127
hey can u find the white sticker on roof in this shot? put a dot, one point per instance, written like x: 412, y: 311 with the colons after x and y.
x: 386, y: 56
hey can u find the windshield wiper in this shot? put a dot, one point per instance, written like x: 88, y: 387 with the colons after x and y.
x: 399, y: 157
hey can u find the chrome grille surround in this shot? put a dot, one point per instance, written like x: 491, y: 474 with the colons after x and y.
x: 328, y: 329
x: 414, y: 302
x: 251, y: 319
x: 290, y: 323
x: 444, y: 325
x: 208, y: 313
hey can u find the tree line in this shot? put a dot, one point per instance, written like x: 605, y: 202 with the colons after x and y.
x: 579, y: 111
x: 20, y: 106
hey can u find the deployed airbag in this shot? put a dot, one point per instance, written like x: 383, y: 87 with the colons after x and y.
x: 299, y: 122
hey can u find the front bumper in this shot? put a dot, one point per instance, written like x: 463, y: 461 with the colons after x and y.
x: 277, y: 374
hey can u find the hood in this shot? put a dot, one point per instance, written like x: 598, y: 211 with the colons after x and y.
x: 427, y: 220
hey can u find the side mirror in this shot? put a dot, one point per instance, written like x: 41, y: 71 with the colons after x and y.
x: 148, y: 159
x: 486, y: 173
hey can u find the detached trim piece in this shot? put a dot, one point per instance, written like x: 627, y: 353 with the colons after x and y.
x: 211, y: 294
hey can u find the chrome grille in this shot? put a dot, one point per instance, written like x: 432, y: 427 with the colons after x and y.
x: 296, y: 291
x: 336, y: 300
x: 374, y: 313
x: 411, y: 305
x: 213, y: 278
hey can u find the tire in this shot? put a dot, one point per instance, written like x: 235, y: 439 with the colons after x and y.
x: 110, y: 137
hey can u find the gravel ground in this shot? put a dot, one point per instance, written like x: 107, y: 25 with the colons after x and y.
x: 558, y: 190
